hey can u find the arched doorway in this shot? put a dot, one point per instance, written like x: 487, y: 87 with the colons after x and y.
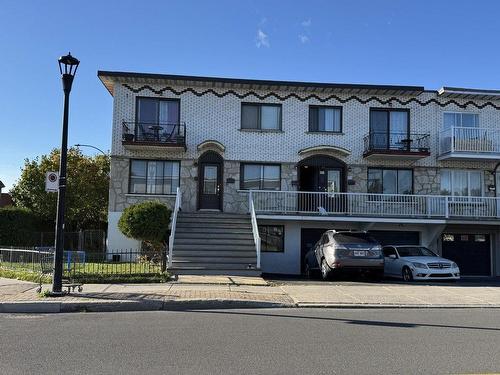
x: 322, y: 173
x: 210, y: 186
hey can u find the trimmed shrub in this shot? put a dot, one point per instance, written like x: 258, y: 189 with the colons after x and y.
x: 146, y: 221
x: 17, y: 226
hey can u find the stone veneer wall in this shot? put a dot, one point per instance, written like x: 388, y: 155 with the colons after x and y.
x: 426, y: 180
x: 119, y: 198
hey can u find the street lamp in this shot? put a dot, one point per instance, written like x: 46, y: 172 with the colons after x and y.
x: 67, y: 66
x: 94, y: 147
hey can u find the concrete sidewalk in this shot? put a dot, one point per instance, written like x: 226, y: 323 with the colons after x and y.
x: 186, y: 292
x: 200, y: 292
x: 387, y: 294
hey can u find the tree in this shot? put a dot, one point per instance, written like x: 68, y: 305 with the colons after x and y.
x: 16, y: 227
x: 146, y: 221
x: 86, y: 193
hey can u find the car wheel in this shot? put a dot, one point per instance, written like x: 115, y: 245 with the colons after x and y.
x: 307, y: 271
x: 325, y: 270
x: 407, y: 274
x: 377, y: 276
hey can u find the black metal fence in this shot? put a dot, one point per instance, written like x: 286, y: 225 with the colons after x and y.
x: 82, y: 263
x: 91, y: 240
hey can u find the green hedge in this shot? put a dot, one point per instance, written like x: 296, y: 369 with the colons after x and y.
x: 91, y: 278
x: 17, y: 227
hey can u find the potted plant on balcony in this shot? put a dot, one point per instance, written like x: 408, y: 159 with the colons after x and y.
x: 128, y: 137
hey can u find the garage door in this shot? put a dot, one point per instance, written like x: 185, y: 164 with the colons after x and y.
x: 308, y: 238
x: 394, y: 237
x: 471, y: 252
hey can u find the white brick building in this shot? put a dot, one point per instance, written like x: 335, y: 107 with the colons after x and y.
x: 387, y: 159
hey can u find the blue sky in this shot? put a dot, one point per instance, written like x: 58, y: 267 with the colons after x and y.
x: 430, y: 43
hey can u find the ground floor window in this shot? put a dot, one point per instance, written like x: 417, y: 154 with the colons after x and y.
x: 261, y: 176
x: 461, y: 183
x: 390, y: 181
x: 272, y: 238
x: 156, y: 177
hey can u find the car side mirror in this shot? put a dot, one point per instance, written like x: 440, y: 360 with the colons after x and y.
x: 392, y: 256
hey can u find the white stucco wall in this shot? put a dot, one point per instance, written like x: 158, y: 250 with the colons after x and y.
x: 116, y: 240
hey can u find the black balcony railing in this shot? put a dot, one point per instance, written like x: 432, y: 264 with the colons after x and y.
x: 157, y: 134
x: 385, y: 142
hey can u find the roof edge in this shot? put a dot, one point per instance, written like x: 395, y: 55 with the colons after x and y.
x: 118, y: 74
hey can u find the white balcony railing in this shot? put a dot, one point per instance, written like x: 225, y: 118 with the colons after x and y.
x: 469, y: 140
x: 375, y: 205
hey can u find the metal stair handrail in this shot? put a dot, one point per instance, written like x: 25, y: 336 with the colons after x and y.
x: 255, y: 228
x: 173, y: 224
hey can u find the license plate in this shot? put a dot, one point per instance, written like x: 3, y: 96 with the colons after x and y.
x: 359, y: 253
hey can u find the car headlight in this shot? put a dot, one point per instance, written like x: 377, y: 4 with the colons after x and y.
x: 419, y: 265
x: 454, y: 265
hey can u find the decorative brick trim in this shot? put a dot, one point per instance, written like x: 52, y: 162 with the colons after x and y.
x: 312, y: 96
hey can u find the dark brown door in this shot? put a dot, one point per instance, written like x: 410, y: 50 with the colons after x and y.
x: 210, y: 186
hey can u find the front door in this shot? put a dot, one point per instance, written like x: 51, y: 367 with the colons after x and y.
x: 321, y: 180
x: 329, y: 180
x: 210, y: 186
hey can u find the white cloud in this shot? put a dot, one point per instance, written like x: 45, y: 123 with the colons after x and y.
x: 303, y: 39
x: 262, y: 39
x: 306, y: 23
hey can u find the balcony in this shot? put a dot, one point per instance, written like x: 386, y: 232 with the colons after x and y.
x: 352, y: 206
x: 467, y: 143
x: 396, y: 145
x: 159, y: 136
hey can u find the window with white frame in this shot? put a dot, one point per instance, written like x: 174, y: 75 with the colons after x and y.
x: 156, y: 177
x: 461, y: 183
x: 260, y: 177
x: 460, y: 119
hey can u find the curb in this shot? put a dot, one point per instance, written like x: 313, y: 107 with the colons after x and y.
x: 45, y: 307
x: 391, y: 306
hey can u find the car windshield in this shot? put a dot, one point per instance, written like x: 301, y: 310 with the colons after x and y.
x: 353, y: 238
x: 415, y: 251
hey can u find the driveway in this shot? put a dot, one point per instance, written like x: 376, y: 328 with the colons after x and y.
x: 390, y: 293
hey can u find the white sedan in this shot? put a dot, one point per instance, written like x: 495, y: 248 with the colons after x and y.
x: 418, y: 263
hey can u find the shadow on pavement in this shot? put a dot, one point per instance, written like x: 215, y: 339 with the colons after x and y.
x: 378, y: 323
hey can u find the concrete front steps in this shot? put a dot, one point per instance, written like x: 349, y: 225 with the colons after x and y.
x: 214, y: 243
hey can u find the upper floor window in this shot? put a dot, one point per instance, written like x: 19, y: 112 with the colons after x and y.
x: 390, y: 181
x: 260, y: 116
x: 461, y: 119
x: 389, y: 128
x: 260, y: 176
x: 154, y: 177
x: 157, y: 111
x: 461, y: 183
x: 325, y: 119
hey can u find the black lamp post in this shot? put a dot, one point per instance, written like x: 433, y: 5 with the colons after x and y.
x: 67, y: 66
x: 94, y: 147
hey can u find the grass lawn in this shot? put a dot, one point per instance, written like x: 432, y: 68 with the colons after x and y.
x: 92, y: 272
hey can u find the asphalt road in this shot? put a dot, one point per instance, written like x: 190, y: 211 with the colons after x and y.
x: 253, y: 341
